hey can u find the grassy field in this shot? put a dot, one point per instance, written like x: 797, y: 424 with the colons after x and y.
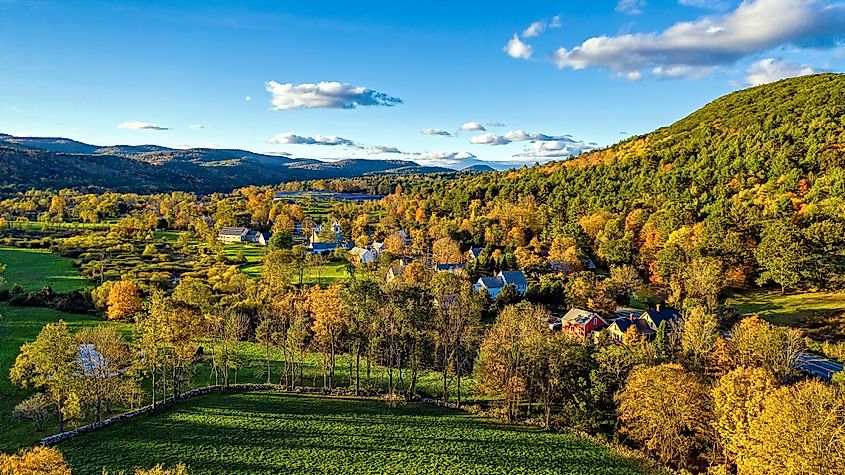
x: 34, y: 268
x: 789, y: 309
x: 251, y: 433
x: 328, y: 273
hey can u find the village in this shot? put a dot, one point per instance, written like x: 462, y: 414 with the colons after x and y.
x: 580, y: 323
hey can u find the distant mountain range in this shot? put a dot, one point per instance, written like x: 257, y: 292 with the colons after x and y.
x: 56, y: 162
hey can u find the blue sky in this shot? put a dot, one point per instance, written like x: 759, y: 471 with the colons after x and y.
x: 212, y: 73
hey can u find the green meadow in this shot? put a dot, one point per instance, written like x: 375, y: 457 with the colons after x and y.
x: 274, y: 433
x: 787, y: 309
x: 32, y: 269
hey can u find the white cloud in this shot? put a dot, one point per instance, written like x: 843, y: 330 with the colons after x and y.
x: 377, y: 149
x: 538, y: 27
x: 326, y: 95
x: 443, y: 158
x: 517, y: 49
x: 697, y: 47
x: 247, y: 98
x: 518, y: 136
x: 521, y: 135
x: 630, y: 7
x: 137, y: 125
x: 436, y: 132
x: 489, y: 139
x: 555, y: 149
x: 293, y: 139
x: 770, y: 70
x: 473, y: 127
x: 196, y: 126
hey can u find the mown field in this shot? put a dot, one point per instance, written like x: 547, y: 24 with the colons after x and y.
x: 789, y: 309
x: 274, y: 433
x: 327, y: 273
x: 34, y: 268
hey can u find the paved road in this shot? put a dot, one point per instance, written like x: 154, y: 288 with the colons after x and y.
x: 817, y: 366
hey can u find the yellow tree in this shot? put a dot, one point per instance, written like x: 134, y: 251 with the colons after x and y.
x: 759, y: 343
x: 665, y: 409
x: 737, y: 400
x: 34, y: 461
x: 124, y: 300
x: 700, y: 332
x: 798, y: 431
x: 505, y: 350
x: 329, y: 324
x: 446, y: 251
x: 395, y: 244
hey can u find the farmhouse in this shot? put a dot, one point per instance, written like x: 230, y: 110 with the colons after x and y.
x: 494, y: 285
x: 646, y: 322
x: 231, y: 234
x: 326, y: 247
x: 654, y: 317
x: 618, y: 327
x: 581, y: 323
x: 362, y: 255
x: 257, y: 237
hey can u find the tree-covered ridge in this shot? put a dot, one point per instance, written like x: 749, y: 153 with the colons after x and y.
x: 762, y: 162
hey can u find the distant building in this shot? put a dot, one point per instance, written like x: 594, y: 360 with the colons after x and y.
x: 473, y: 253
x: 581, y: 324
x: 362, y: 255
x: 448, y: 267
x: 232, y: 234
x: 326, y: 247
x: 257, y: 237
x: 494, y: 285
x: 646, y: 322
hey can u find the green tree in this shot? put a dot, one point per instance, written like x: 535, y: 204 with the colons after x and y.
x: 280, y: 240
x: 50, y: 363
x: 781, y: 255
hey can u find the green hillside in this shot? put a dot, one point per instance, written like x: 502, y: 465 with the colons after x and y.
x: 759, y: 166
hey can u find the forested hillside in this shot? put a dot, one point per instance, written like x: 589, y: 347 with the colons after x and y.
x: 753, y: 181
x: 32, y: 162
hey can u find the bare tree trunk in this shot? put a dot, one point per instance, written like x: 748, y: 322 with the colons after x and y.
x: 357, y: 368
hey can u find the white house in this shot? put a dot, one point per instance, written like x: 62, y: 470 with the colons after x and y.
x: 494, y: 285
x: 363, y: 255
x: 232, y: 234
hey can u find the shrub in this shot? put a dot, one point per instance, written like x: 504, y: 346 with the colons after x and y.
x: 38, y: 408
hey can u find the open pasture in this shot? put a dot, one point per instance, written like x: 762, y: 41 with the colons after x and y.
x: 273, y: 433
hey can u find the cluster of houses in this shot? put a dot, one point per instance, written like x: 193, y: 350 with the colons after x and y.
x: 588, y: 326
x: 582, y: 324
